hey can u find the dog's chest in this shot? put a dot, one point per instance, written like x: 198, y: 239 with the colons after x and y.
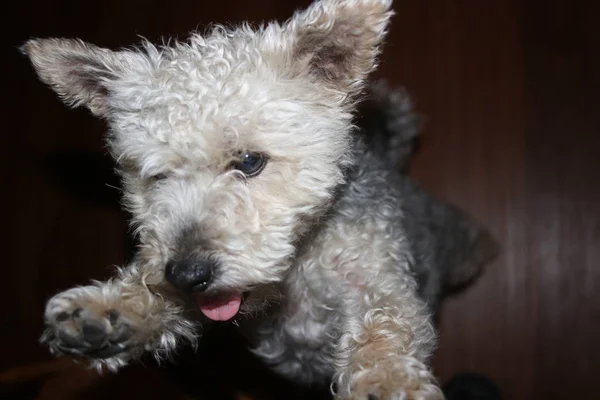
x: 298, y: 337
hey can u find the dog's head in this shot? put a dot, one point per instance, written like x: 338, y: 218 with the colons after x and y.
x: 229, y: 144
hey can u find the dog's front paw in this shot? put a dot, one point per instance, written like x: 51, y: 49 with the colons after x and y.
x: 81, y: 322
x: 401, y: 379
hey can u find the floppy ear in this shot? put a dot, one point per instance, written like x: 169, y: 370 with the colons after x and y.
x: 338, y: 40
x: 80, y: 73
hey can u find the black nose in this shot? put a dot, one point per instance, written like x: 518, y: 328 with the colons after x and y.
x: 190, y: 274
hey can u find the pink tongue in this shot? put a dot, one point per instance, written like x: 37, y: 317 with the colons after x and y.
x: 220, y: 309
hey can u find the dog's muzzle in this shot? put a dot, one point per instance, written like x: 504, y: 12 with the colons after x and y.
x: 195, y: 275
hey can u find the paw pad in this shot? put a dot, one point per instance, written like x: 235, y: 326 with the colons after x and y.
x: 82, y: 332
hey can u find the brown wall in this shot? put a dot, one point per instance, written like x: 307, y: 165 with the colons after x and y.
x: 510, y: 91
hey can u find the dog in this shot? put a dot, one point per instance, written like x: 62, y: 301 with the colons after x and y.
x: 259, y: 195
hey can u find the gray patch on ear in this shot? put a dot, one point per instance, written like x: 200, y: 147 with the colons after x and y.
x: 77, y: 71
x: 328, y: 61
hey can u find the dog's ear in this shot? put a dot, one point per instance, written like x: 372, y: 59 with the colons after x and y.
x: 338, y: 40
x: 80, y: 73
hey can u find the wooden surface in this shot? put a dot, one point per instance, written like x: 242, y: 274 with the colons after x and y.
x: 510, y: 92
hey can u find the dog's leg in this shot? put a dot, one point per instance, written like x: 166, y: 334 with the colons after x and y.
x: 116, y: 321
x: 386, y: 340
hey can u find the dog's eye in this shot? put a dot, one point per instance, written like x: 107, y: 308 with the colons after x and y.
x: 250, y: 164
x: 158, y: 177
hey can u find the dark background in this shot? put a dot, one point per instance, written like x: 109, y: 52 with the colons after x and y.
x: 510, y: 90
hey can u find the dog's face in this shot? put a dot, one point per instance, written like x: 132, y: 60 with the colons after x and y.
x: 231, y: 144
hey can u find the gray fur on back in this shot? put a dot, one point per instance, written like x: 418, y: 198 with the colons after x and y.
x: 449, y: 246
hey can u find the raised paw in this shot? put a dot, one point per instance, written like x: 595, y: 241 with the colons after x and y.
x: 395, y: 391
x: 80, y: 323
x: 397, y: 380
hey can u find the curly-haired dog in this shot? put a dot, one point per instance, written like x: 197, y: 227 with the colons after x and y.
x: 255, y: 200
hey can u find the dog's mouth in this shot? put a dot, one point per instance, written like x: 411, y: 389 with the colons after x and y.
x: 221, y: 307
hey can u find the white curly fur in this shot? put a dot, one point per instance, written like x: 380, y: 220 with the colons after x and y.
x: 316, y: 239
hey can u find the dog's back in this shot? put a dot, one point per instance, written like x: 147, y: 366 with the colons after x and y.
x: 449, y: 246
